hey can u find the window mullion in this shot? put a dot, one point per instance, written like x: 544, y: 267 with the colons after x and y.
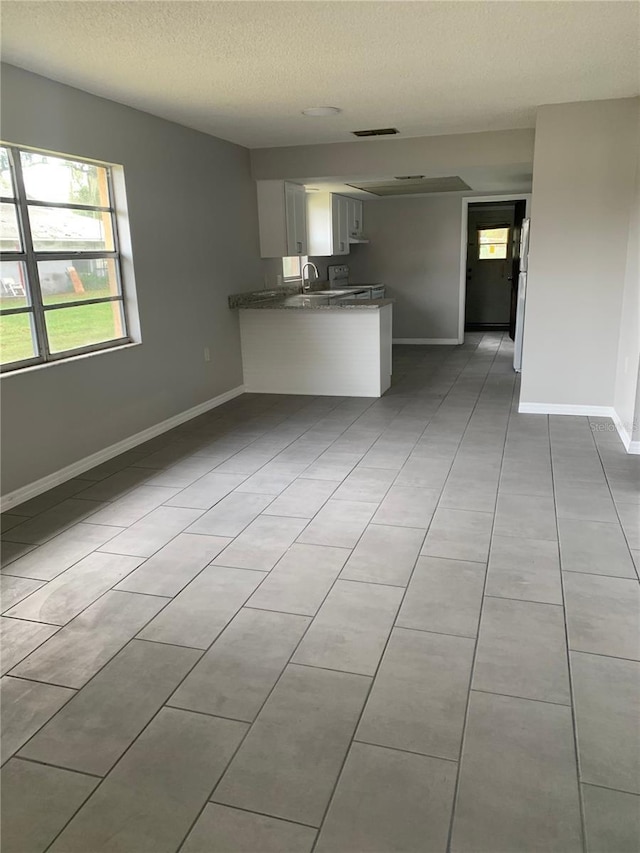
x: 32, y: 266
x: 68, y: 205
x: 70, y: 255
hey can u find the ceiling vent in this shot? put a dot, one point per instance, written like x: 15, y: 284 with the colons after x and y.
x: 379, y: 131
x: 413, y: 185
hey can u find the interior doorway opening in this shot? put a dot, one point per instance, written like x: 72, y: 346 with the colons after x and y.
x: 492, y: 264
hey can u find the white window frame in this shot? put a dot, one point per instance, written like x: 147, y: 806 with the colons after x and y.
x: 289, y: 279
x: 36, y: 308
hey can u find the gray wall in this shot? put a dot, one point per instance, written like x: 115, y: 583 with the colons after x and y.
x: 193, y: 220
x: 583, y: 170
x: 437, y: 155
x: 627, y: 394
x: 415, y: 251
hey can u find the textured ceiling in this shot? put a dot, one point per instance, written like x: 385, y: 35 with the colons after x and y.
x: 244, y: 70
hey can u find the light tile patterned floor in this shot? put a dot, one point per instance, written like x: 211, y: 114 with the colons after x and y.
x: 341, y: 625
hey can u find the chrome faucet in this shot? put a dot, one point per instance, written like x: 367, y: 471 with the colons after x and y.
x: 307, y: 285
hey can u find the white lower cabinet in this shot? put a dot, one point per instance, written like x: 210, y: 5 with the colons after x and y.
x: 343, y: 352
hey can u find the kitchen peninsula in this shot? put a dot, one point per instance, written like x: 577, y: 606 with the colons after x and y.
x: 320, y: 342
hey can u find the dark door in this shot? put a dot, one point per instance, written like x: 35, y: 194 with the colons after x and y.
x: 519, y: 214
x: 489, y: 265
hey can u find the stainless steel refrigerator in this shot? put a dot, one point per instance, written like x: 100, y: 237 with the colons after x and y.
x: 522, y: 296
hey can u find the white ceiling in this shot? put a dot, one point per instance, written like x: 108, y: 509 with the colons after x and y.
x: 244, y: 70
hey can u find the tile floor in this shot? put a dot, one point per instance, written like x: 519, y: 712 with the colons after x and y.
x: 341, y: 625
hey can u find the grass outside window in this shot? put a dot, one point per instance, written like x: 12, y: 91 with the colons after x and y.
x: 60, y: 281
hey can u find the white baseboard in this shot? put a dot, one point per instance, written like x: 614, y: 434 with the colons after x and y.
x: 589, y: 411
x: 565, y: 409
x: 630, y: 446
x: 45, y: 483
x: 427, y: 341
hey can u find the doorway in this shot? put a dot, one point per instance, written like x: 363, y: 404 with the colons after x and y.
x: 492, y: 265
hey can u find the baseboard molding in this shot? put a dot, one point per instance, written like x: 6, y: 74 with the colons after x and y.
x: 565, y: 409
x: 36, y: 488
x: 427, y: 341
x: 588, y: 411
x: 630, y: 446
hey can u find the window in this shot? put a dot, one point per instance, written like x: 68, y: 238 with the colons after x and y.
x: 492, y: 243
x: 60, y: 283
x: 292, y: 267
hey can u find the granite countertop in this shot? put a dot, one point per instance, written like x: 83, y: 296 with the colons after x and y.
x: 299, y: 303
x: 290, y: 297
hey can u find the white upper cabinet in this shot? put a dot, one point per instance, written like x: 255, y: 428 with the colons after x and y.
x: 282, y: 218
x: 328, y: 224
x: 296, y: 216
x: 355, y: 218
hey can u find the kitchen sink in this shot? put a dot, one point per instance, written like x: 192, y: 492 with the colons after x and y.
x: 307, y: 299
x: 329, y: 293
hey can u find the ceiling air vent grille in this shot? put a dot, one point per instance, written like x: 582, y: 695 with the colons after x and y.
x: 379, y: 131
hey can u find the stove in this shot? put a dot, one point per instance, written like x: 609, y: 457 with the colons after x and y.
x: 338, y: 275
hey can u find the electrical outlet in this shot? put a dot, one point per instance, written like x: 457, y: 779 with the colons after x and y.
x: 207, y: 354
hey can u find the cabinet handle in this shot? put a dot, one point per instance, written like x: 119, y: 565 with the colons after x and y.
x: 299, y: 245
x: 357, y: 223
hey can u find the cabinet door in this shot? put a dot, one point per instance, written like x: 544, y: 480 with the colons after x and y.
x: 300, y: 222
x: 340, y: 224
x: 355, y: 219
x: 290, y: 217
x: 344, y: 224
x: 296, y: 219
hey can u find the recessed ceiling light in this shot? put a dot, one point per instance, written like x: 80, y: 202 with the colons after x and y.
x: 318, y: 112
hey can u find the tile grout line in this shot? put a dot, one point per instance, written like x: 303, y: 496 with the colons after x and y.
x: 248, y: 811
x: 615, y: 503
x: 406, y: 751
x: 524, y: 698
x: 456, y: 789
x: 607, y: 788
x: 290, y: 662
x: 601, y: 654
x: 382, y: 655
x: 600, y: 575
x: 126, y: 492
x: 146, y: 726
x: 95, y: 674
x: 112, y: 588
x: 574, y: 725
x: 385, y: 426
x: 41, y: 763
x: 36, y: 546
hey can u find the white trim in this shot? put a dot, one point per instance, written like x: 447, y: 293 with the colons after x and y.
x: 466, y: 201
x: 427, y: 341
x: 565, y: 409
x: 630, y: 446
x: 45, y: 483
x: 589, y: 411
